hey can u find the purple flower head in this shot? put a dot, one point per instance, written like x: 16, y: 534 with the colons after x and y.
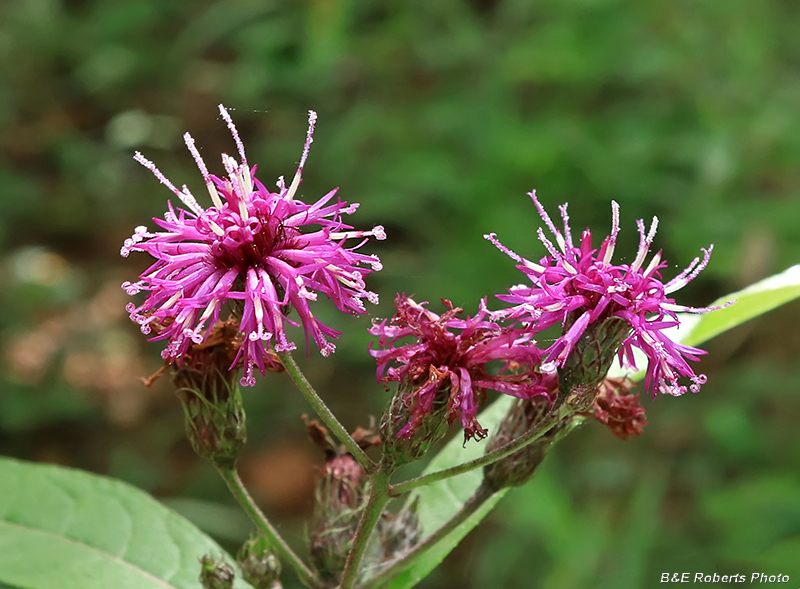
x: 253, y: 248
x: 579, y: 287
x: 450, y: 352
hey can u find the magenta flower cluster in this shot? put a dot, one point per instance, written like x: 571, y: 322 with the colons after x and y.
x: 577, y: 286
x: 266, y: 255
x: 264, y: 252
x: 574, y: 286
x: 448, y: 351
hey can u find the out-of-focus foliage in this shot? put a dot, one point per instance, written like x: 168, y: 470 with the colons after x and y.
x: 437, y: 117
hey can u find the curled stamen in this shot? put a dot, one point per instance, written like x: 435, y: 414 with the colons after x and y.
x: 607, y: 250
x: 567, y: 232
x: 492, y: 237
x: 239, y: 145
x: 645, y: 241
x: 253, y: 248
x: 547, y: 221
x: 212, y: 190
x: 590, y: 297
x: 691, y: 271
x: 312, y: 121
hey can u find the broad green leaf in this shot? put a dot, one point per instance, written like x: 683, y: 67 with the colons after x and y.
x: 442, y: 500
x: 222, y: 521
x: 755, y: 300
x: 751, y: 302
x: 67, y: 529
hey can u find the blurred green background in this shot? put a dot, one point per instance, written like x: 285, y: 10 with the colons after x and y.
x: 437, y: 117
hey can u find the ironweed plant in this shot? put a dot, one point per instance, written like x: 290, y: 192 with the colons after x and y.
x: 233, y: 269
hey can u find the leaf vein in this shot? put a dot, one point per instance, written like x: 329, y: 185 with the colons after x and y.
x: 144, y: 573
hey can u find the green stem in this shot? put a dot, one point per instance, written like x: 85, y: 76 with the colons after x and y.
x: 325, y: 414
x: 276, y: 543
x: 522, y: 441
x: 378, y: 498
x: 407, y: 560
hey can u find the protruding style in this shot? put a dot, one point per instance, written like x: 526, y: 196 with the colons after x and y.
x: 579, y: 288
x: 252, y: 248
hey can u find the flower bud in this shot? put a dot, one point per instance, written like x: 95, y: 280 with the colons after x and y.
x: 260, y: 567
x: 215, y: 574
x: 516, y: 469
x: 400, y: 532
x: 212, y: 403
x: 618, y: 409
x: 403, y: 444
x: 339, y: 501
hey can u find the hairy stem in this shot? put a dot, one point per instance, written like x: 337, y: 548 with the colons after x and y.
x: 276, y: 543
x: 378, y: 498
x: 324, y: 413
x: 522, y: 441
x: 478, y: 498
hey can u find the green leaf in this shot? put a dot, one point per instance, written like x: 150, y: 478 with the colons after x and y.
x: 225, y: 522
x: 67, y: 529
x: 442, y: 500
x: 751, y: 302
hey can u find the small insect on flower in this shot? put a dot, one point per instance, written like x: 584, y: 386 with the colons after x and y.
x: 265, y: 253
x: 581, y: 289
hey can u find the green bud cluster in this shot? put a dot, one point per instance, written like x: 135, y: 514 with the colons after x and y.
x: 215, y: 574
x: 260, y: 567
x: 432, y: 428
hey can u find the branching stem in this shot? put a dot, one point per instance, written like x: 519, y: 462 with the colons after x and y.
x: 324, y: 413
x: 478, y: 498
x: 378, y: 498
x: 522, y: 441
x: 276, y: 543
